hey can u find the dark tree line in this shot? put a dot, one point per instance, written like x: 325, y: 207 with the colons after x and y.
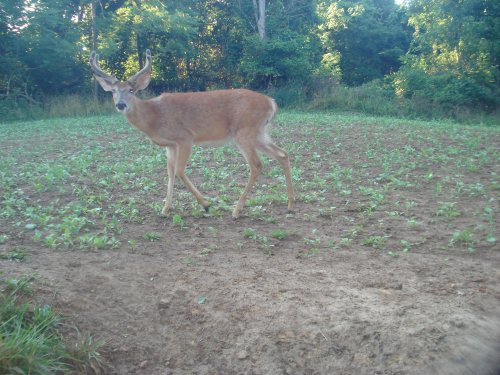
x: 445, y: 51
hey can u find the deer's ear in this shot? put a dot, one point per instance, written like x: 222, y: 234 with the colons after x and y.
x: 140, y: 82
x: 106, y: 84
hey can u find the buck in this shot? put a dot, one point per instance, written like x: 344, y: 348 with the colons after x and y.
x: 177, y: 121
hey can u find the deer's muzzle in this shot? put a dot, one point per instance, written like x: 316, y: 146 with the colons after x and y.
x: 121, y: 106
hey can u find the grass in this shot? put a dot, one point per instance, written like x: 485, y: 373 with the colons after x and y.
x: 30, y: 338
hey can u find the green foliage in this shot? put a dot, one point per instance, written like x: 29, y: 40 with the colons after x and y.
x: 152, y: 236
x: 363, y: 40
x: 277, y: 61
x: 178, y: 221
x: 452, y: 60
x: 377, y: 242
x: 16, y: 254
x: 250, y: 233
x: 450, y: 69
x: 279, y: 234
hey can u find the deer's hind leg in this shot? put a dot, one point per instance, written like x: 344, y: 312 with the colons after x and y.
x: 248, y: 149
x: 266, y: 146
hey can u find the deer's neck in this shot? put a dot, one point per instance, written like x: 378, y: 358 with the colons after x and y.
x: 148, y: 116
x: 143, y: 116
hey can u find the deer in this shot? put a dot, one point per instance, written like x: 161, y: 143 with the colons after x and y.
x: 177, y: 121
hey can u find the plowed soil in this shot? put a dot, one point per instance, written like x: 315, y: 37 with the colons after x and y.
x: 354, y: 281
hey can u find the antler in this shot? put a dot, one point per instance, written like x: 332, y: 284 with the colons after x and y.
x: 94, y: 64
x: 145, y: 69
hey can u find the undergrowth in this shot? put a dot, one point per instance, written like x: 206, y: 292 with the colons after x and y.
x: 373, y: 99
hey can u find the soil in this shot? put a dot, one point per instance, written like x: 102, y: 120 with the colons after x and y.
x: 205, y: 299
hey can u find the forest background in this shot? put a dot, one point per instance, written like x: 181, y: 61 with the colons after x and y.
x: 417, y: 58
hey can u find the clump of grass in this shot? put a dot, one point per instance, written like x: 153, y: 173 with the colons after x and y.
x: 30, y: 342
x: 85, y: 355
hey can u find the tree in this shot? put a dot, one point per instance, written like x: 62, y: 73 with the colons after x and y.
x: 12, y: 80
x: 362, y: 39
x: 40, y: 48
x: 288, y: 50
x: 454, y: 54
x: 259, y: 8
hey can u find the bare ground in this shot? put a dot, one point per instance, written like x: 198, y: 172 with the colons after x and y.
x: 209, y: 299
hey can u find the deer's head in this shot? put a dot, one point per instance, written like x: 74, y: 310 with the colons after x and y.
x: 123, y: 92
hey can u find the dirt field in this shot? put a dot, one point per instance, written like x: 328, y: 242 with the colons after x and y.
x: 388, y: 265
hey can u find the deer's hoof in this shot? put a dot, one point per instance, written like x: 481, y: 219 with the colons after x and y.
x: 236, y: 214
x: 206, y: 205
x: 165, y: 210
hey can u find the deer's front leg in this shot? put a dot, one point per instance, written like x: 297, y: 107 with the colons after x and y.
x: 183, y: 153
x: 171, y: 163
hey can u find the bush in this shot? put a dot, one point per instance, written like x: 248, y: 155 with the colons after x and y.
x: 374, y: 98
x: 12, y: 108
x: 446, y: 90
x: 293, y: 94
x: 391, y: 97
x: 57, y: 106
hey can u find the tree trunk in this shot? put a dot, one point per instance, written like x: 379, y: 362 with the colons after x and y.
x: 139, y: 41
x: 94, y: 42
x: 259, y: 8
x: 139, y: 46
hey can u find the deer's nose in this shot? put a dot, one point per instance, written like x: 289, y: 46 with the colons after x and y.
x: 121, y: 106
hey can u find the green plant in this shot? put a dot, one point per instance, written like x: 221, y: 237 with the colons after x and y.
x: 266, y: 246
x: 97, y: 241
x: 279, y: 234
x: 250, y: 233
x: 377, y: 242
x: 178, y: 221
x: 462, y: 237
x: 405, y: 245
x: 16, y: 254
x: 327, y: 212
x: 414, y: 223
x: 152, y: 236
x: 447, y: 210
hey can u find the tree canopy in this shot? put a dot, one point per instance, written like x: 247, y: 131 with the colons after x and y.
x: 454, y: 53
x: 445, y: 51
